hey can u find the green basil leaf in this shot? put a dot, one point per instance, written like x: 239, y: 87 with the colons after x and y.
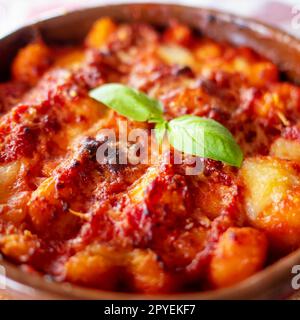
x: 160, y: 130
x: 204, y: 138
x: 128, y: 102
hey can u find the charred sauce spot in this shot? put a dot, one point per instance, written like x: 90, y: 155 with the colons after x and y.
x: 91, y: 145
x: 115, y: 159
x: 182, y: 71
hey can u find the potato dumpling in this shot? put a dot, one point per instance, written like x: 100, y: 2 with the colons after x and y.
x: 8, y: 176
x: 214, y: 203
x: 41, y: 200
x: 173, y: 54
x: 31, y: 62
x: 272, y: 197
x: 100, y: 32
x: 178, y: 33
x: 239, y: 253
x: 102, y: 263
x: 110, y: 267
x: 70, y: 60
x: 146, y: 272
x: 262, y: 72
x: 207, y: 50
x: 137, y: 191
x: 286, y: 149
x: 19, y: 247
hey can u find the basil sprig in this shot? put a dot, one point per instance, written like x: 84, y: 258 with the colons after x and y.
x: 193, y: 135
x: 129, y: 102
x: 205, y: 138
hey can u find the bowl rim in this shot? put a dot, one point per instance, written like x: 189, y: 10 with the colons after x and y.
x: 260, y: 284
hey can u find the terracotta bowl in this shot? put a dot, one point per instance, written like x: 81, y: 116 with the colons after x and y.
x: 271, y: 283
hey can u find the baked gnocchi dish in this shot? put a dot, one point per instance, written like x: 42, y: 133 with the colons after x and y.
x: 147, y: 227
